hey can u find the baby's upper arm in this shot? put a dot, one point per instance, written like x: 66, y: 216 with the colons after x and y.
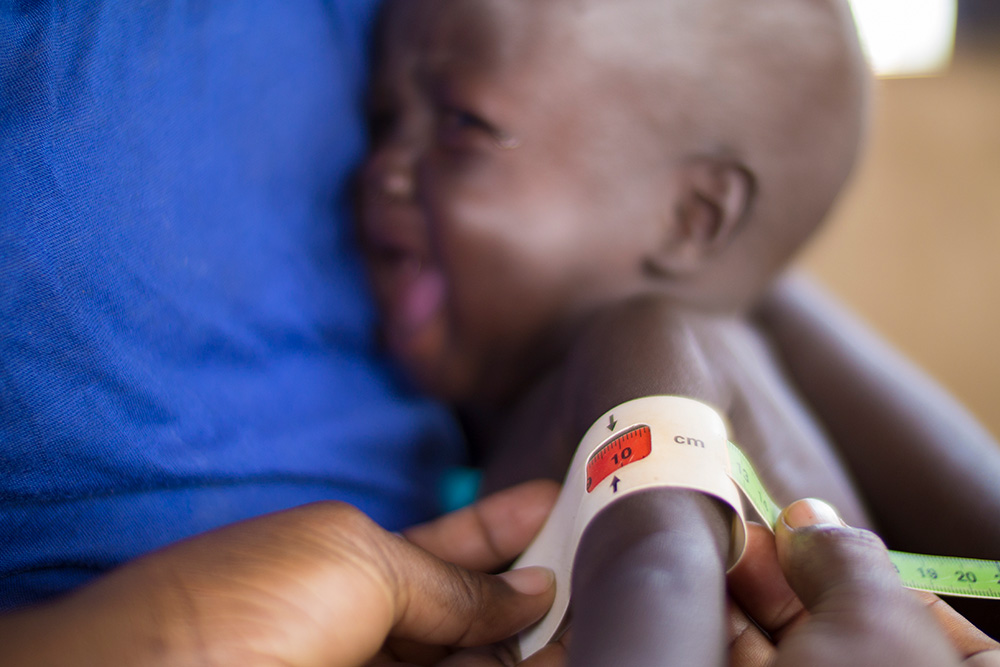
x: 642, y: 347
x: 649, y: 583
x: 649, y: 571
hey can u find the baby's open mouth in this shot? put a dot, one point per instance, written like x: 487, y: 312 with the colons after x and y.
x: 394, y: 258
x: 408, y: 286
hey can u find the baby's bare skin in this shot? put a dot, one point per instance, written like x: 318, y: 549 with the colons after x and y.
x: 647, y: 347
x: 574, y: 203
x: 644, y: 554
x: 547, y: 240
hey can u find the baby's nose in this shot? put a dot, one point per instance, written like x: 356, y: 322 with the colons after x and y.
x: 390, y: 176
x: 396, y: 184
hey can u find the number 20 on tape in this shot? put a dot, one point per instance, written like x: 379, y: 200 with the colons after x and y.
x: 947, y: 575
x: 967, y: 577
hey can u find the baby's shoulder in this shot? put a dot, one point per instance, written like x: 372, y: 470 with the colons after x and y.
x: 646, y: 324
x: 642, y: 347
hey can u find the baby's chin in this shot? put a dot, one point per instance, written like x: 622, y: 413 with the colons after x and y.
x: 437, y: 363
x: 429, y: 362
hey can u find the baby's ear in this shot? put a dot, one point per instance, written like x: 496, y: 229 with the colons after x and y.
x: 713, y: 197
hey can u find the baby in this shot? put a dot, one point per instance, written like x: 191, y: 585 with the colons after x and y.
x: 574, y: 203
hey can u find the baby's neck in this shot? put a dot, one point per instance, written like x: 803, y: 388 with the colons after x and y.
x: 543, y: 423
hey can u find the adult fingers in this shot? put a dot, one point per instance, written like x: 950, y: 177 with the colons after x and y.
x: 440, y: 603
x: 493, y: 531
x: 380, y: 585
x: 758, y: 586
x: 503, y: 655
x: 968, y: 640
x: 984, y: 659
x: 749, y: 645
x: 859, y: 612
x: 752, y: 586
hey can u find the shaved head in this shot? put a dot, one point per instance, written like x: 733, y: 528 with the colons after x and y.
x: 780, y: 87
x: 685, y: 147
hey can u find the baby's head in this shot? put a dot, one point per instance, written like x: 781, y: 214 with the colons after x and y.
x: 535, y: 160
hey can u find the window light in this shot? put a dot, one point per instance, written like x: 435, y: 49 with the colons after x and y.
x: 907, y: 37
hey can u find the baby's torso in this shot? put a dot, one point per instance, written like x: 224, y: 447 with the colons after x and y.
x: 793, y: 456
x: 770, y: 422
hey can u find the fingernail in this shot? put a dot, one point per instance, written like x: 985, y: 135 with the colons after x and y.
x: 530, y: 580
x: 810, y: 512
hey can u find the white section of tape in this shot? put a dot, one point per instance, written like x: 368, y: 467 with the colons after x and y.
x: 688, y: 448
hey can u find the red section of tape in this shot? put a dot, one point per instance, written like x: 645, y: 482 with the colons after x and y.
x: 629, y: 447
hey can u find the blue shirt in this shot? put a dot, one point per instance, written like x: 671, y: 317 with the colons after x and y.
x: 185, y: 333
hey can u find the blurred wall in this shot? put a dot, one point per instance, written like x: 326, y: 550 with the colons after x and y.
x: 914, y: 245
x: 978, y: 16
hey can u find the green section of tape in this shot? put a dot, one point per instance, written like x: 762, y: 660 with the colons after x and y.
x: 746, y: 478
x: 964, y: 577
x: 945, y: 575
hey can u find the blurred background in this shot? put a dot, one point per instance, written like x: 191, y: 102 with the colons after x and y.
x: 912, y: 246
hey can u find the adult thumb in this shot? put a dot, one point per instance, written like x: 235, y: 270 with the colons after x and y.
x: 859, y: 612
x: 443, y: 604
x: 825, y: 561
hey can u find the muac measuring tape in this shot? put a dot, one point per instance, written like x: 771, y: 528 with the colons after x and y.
x: 671, y: 441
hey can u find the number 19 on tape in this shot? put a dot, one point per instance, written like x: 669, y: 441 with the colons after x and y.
x: 947, y: 575
x: 965, y: 577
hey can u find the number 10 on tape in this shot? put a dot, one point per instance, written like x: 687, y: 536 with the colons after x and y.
x: 633, y: 445
x: 947, y: 575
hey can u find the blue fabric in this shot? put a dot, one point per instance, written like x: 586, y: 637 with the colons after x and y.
x: 185, y: 335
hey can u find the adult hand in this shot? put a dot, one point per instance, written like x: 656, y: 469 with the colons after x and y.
x: 482, y: 538
x: 316, y: 585
x: 827, y: 594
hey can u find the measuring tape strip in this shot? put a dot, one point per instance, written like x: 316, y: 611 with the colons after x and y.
x: 658, y: 441
x: 672, y: 441
x: 945, y: 575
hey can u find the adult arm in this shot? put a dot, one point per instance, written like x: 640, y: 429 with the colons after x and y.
x: 316, y: 585
x: 821, y: 593
x: 929, y: 472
